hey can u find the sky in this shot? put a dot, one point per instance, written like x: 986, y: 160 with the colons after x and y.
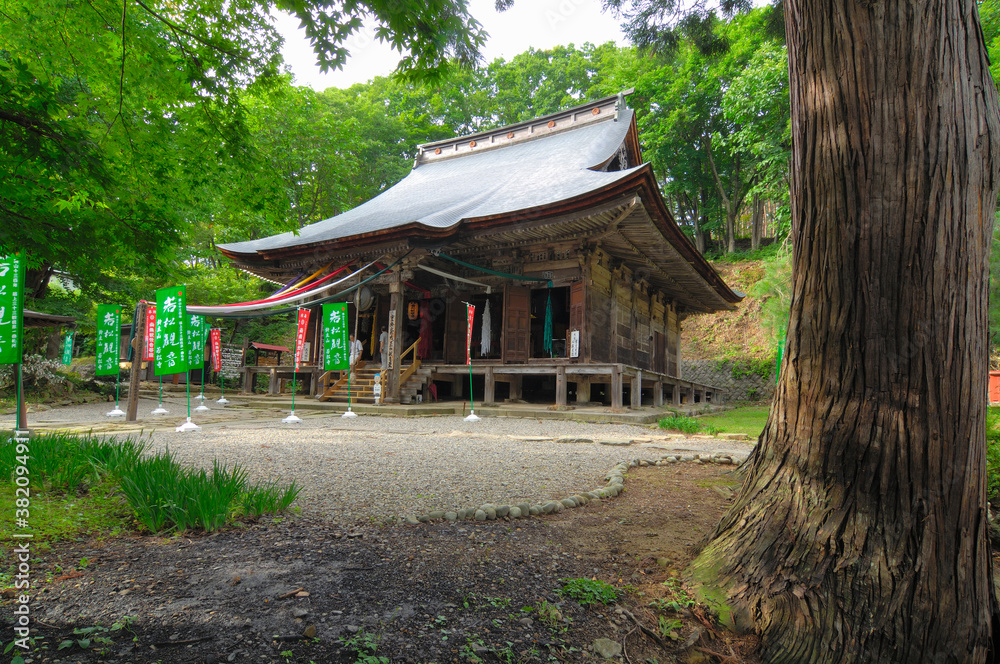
x: 541, y: 24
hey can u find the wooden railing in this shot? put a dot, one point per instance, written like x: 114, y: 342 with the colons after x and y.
x: 405, y: 373
x: 330, y: 389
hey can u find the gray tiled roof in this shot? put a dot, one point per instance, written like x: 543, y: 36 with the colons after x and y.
x: 497, y: 179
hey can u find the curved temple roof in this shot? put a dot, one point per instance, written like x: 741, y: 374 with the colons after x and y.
x: 516, y: 172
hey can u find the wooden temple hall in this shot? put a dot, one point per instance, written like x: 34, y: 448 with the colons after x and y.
x: 554, y: 226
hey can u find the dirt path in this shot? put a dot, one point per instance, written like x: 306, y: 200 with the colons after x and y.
x: 442, y: 592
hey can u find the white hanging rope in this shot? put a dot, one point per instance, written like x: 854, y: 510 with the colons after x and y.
x: 211, y: 310
x: 444, y: 274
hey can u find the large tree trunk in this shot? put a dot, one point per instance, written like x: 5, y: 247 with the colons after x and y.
x: 860, y: 532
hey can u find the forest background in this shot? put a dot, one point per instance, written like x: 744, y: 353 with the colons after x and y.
x: 124, y: 165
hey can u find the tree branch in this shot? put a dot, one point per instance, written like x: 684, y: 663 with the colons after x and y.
x: 193, y: 36
x: 715, y: 173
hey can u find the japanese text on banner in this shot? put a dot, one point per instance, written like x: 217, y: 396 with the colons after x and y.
x: 149, y: 352
x: 171, y: 351
x: 468, y: 334
x: 68, y: 349
x: 11, y: 308
x: 335, y: 351
x: 197, y: 337
x: 215, y: 334
x: 109, y: 338
x: 300, y: 336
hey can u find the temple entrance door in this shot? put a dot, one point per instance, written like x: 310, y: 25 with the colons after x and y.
x: 516, y: 324
x: 456, y: 320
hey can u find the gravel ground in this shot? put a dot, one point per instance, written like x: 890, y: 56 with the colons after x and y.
x: 382, y: 468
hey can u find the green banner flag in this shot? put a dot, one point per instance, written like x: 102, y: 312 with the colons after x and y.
x: 68, y: 349
x: 335, y: 350
x: 171, y: 353
x: 109, y: 338
x: 11, y: 308
x: 197, y: 336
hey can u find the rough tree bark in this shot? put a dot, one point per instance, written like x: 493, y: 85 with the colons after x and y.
x: 860, y: 532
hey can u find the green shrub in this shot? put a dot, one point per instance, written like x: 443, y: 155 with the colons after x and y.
x: 162, y: 494
x: 680, y: 423
x: 589, y: 591
x: 66, y: 462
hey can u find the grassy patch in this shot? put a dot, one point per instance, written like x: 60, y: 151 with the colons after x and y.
x: 81, y: 484
x: 680, y: 423
x: 55, y: 517
x: 749, y: 420
x: 589, y: 591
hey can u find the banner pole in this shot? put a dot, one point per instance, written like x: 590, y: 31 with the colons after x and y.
x: 21, y: 418
x: 160, y: 410
x: 292, y: 418
x: 472, y: 404
x: 470, y: 312
x: 118, y: 412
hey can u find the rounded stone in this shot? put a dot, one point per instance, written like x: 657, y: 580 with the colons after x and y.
x: 643, y: 462
x: 503, y: 510
x: 534, y: 510
x: 549, y: 507
x: 491, y: 514
x: 581, y: 499
x: 515, y: 512
x: 436, y: 514
x: 423, y: 518
x: 460, y: 514
x: 480, y: 515
x: 671, y: 459
x: 450, y: 516
x: 525, y: 508
x: 558, y: 507
x: 568, y: 502
x: 412, y: 520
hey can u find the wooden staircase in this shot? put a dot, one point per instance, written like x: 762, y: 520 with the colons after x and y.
x: 413, y: 378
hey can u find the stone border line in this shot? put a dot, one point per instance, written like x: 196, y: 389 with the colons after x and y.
x: 615, y: 485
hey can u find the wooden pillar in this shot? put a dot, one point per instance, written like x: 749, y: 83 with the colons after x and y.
x: 676, y: 394
x: 458, y: 382
x: 138, y: 345
x: 616, y: 387
x: 396, y: 314
x: 561, y: 386
x: 489, y: 389
x: 248, y: 378
x: 680, y: 372
x: 613, y: 325
x: 582, y: 390
x: 273, y: 384
x: 515, y: 387
x: 658, y: 393
x: 637, y: 390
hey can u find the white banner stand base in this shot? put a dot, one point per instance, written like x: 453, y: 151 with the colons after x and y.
x: 202, y: 408
x: 117, y: 412
x: 187, y: 426
x: 292, y: 419
x: 223, y: 401
x: 349, y: 413
x: 472, y: 417
x: 201, y: 397
x: 159, y: 410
